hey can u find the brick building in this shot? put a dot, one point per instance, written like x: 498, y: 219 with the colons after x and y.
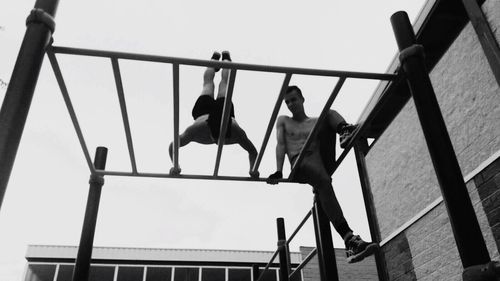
x: 407, y: 209
x: 56, y: 263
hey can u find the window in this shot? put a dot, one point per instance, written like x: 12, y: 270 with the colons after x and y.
x: 240, y: 274
x: 65, y: 273
x: 159, y: 274
x: 40, y: 272
x: 186, y: 274
x: 130, y: 273
x: 101, y: 273
x: 213, y: 274
x: 269, y: 275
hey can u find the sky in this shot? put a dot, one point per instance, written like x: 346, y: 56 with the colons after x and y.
x: 47, y: 192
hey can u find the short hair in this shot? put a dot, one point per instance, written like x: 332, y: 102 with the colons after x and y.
x: 294, y: 88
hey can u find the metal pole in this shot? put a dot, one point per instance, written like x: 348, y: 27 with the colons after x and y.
x: 226, y: 115
x: 284, y: 269
x: 360, y: 150
x: 272, y: 121
x: 82, y: 263
x: 255, y: 272
x: 123, y: 108
x: 16, y: 104
x: 175, y: 152
x: 324, y: 244
x: 468, y: 236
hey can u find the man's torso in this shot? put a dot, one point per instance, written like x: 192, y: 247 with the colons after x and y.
x: 296, y: 134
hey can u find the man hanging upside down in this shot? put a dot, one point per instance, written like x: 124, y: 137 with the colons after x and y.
x: 316, y: 166
x: 207, y: 115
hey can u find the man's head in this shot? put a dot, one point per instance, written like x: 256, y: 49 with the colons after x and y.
x: 294, y: 99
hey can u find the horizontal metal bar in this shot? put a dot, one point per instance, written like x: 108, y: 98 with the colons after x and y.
x: 272, y: 120
x: 222, y: 64
x: 268, y: 264
x: 71, y: 110
x: 316, y: 128
x: 299, y: 227
x: 182, y: 176
x: 123, y: 108
x: 303, y: 263
x: 226, y: 114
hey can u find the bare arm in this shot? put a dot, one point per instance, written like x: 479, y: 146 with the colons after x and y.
x: 247, y: 145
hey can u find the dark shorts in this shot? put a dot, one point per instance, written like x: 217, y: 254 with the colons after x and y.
x: 207, y: 105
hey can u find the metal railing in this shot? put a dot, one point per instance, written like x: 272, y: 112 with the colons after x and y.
x: 324, y: 248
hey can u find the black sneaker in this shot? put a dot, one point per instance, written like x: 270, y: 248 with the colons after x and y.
x: 216, y: 56
x: 346, y: 134
x: 356, y: 249
x: 226, y: 56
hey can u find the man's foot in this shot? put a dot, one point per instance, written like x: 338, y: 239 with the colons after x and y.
x: 346, y: 134
x: 226, y: 56
x: 216, y: 56
x: 175, y: 171
x: 356, y: 249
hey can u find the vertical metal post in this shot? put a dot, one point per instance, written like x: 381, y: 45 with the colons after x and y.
x: 360, y: 150
x: 16, y: 104
x: 324, y: 243
x: 284, y: 269
x: 468, y: 236
x: 255, y: 272
x: 175, y: 152
x: 82, y: 263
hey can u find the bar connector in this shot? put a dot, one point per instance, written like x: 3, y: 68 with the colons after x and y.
x: 281, y: 244
x: 482, y: 272
x: 96, y: 179
x: 413, y: 50
x: 38, y: 15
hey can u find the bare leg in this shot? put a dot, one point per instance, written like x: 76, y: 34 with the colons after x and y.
x: 222, y: 91
x: 208, y: 82
x: 335, y: 119
x: 223, y: 84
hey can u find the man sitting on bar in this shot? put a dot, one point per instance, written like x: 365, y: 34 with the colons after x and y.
x: 207, y: 115
x: 316, y: 167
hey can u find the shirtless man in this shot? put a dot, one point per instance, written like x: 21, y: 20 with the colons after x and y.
x: 315, y: 169
x: 207, y: 115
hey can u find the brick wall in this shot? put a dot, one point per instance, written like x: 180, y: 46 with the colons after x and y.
x: 405, y: 184
x: 365, y: 270
x: 427, y: 251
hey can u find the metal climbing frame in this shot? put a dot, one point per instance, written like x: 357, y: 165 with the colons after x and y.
x: 325, y: 252
x: 40, y: 27
x: 114, y: 58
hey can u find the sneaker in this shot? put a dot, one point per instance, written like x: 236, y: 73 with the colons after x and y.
x: 226, y: 56
x: 346, y: 134
x: 356, y: 249
x: 216, y: 56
